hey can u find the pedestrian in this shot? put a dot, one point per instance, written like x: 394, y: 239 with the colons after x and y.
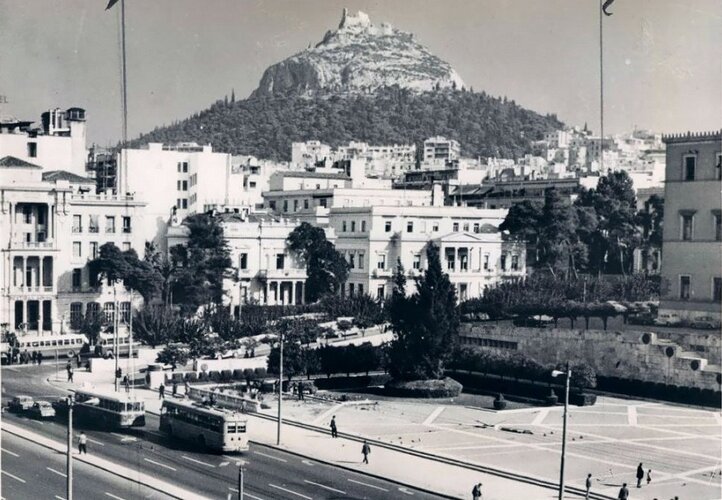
x: 187, y: 387
x: 623, y: 493
x: 640, y: 475
x: 649, y: 476
x: 68, y: 367
x: 77, y: 360
x: 40, y: 358
x: 476, y: 491
x: 26, y: 357
x: 175, y: 388
x: 366, y: 451
x: 334, y: 430
x: 161, y: 391
x: 82, y: 444
x: 588, y: 486
x: 34, y: 357
x: 126, y: 383
x: 70, y: 374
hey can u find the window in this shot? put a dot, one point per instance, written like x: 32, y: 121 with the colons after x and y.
x: 343, y: 226
x: 350, y: 289
x: 92, y: 309
x: 476, y: 227
x: 360, y: 288
x: 183, y: 203
x: 28, y: 214
x: 109, y: 312
x: 514, y: 262
x: 435, y: 227
x: 363, y: 226
x: 243, y: 261
x: 126, y: 224
x: 305, y: 204
x: 32, y: 149
x: 361, y: 258
x: 183, y: 167
x: 109, y: 224
x: 455, y: 227
x: 463, y: 260
x: 353, y: 226
x: 76, y: 315
x: 717, y: 289
x: 280, y: 261
x: 687, y: 227
x: 410, y: 227
x: 252, y: 184
x: 417, y: 261
x: 126, y: 246
x: 684, y: 286
x: 450, y: 259
x: 466, y: 226
x: 77, y: 223
x: 503, y: 262
x: 77, y: 250
x: 93, y: 225
x: 717, y: 226
x: 380, y: 292
x: 322, y: 202
x: 295, y: 205
x: 125, y: 312
x: 381, y: 264
x: 41, y: 217
x: 690, y: 165
x: 93, y: 249
x: 77, y: 278
x: 718, y: 167
x: 486, y: 262
x: 387, y: 226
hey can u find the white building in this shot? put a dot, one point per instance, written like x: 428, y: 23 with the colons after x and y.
x: 58, y: 145
x: 53, y: 225
x: 439, y: 150
x: 178, y: 180
x: 305, y: 155
x: 473, y: 252
x: 264, y: 270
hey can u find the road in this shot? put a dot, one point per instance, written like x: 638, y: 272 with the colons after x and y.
x: 269, y: 473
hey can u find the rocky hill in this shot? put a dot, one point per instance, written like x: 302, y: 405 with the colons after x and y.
x: 359, y: 57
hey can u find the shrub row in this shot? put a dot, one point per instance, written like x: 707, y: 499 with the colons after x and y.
x: 658, y: 390
x: 357, y: 382
x: 220, y: 376
x: 445, y: 388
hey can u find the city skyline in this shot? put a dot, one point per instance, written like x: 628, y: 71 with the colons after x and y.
x: 659, y: 60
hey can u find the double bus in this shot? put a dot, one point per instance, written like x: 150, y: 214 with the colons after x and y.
x: 47, y: 344
x: 208, y: 427
x: 109, y: 410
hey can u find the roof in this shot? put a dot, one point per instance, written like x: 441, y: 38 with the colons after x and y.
x: 64, y: 175
x: 315, y: 175
x: 12, y: 162
x: 249, y: 217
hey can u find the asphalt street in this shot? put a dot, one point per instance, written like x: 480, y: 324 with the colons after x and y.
x: 268, y: 473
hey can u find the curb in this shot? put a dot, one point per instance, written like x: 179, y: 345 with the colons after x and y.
x: 449, y: 461
x: 110, y: 467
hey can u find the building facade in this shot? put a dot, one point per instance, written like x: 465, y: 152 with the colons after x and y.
x: 692, y: 238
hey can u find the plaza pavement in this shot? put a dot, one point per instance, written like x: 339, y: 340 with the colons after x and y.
x: 680, y: 444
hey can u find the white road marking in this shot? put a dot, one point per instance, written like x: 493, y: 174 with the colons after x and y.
x: 56, y: 496
x: 10, y: 452
x: 223, y: 464
x: 159, y: 464
x: 403, y: 489
x: 324, y: 487
x: 245, y: 494
x: 197, y: 461
x: 57, y: 472
x: 113, y: 496
x: 289, y: 491
x: 13, y: 476
x: 539, y: 419
x: 96, y: 442
x: 307, y: 462
x: 369, y: 485
x: 124, y: 438
x: 430, y: 419
x: 270, y: 456
x: 632, y: 415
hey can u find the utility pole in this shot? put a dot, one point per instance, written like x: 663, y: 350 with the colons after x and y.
x: 240, y: 482
x: 116, y: 324
x: 280, y: 389
x: 568, y: 374
x: 69, y: 463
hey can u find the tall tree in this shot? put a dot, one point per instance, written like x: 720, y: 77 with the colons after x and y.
x: 326, y: 268
x: 650, y: 220
x: 425, y: 327
x: 558, y: 225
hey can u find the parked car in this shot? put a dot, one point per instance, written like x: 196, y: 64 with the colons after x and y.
x: 706, y: 323
x: 540, y: 321
x: 60, y: 406
x: 667, y: 319
x: 617, y: 306
x: 20, y: 404
x: 641, y: 318
x: 42, y: 410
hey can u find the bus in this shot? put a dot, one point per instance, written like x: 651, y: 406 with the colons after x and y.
x: 64, y: 345
x: 113, y: 410
x: 208, y: 427
x: 105, y: 340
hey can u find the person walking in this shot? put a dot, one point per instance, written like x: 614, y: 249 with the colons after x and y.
x: 82, y: 444
x: 640, y: 475
x: 34, y: 357
x: 588, y: 486
x: 649, y: 476
x: 334, y: 430
x: 366, y: 451
x: 161, y: 391
x: 126, y: 383
x: 476, y: 492
x: 70, y: 373
x: 40, y: 358
x: 175, y: 388
x: 623, y: 493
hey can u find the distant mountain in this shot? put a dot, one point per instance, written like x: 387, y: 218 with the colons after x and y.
x: 364, y: 83
x: 359, y: 57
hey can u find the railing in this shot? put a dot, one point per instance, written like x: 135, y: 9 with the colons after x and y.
x: 103, y: 197
x: 32, y: 289
x: 33, y: 244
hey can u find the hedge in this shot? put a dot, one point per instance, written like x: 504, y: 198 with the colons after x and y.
x: 353, y: 382
x: 444, y: 388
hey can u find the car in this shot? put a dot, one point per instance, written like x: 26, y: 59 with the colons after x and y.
x: 42, y: 410
x: 20, y: 404
x: 706, y: 323
x: 641, y: 318
x: 539, y: 321
x: 60, y: 406
x: 617, y: 306
x: 667, y: 319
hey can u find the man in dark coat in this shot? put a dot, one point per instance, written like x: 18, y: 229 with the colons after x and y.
x: 366, y: 451
x: 623, y: 493
x: 640, y: 475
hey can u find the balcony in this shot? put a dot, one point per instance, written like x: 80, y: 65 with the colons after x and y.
x: 280, y: 274
x: 33, y: 245
x: 28, y: 290
x: 381, y: 273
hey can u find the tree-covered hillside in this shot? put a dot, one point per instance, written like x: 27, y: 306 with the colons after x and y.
x: 266, y: 126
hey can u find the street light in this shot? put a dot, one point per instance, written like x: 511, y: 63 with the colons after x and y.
x: 280, y: 387
x: 568, y: 373
x: 69, y: 458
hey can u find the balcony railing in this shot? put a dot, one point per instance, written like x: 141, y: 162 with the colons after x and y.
x: 32, y: 289
x: 30, y: 245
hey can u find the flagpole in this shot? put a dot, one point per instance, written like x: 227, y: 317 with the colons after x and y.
x: 601, y: 87
x: 125, y: 81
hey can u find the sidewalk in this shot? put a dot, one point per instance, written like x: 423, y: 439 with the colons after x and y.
x: 404, y: 468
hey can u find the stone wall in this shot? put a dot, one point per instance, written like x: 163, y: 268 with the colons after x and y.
x: 631, y: 355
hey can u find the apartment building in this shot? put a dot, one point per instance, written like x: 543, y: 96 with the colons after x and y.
x: 692, y: 238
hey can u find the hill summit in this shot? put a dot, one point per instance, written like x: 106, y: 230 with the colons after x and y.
x: 359, y: 57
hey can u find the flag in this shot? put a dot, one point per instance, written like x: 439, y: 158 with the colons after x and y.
x: 605, y: 6
x: 113, y: 2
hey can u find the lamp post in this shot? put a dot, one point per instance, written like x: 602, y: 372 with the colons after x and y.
x: 69, y: 462
x: 240, y: 480
x: 568, y: 373
x: 280, y: 388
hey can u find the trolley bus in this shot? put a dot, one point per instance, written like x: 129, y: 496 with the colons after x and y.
x: 49, y: 345
x: 213, y: 428
x: 106, y: 340
x: 111, y: 410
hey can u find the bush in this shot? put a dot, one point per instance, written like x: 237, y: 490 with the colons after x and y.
x: 260, y: 373
x: 582, y: 399
x: 191, y: 377
x: 238, y: 374
x: 215, y: 375
x: 203, y: 377
x: 499, y: 402
x: 226, y: 375
x: 434, y: 388
x: 176, y: 377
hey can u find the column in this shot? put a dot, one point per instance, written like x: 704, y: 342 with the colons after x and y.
x: 25, y: 272
x: 26, y: 316
x: 265, y: 292
x: 41, y: 278
x: 40, y: 317
x: 456, y: 259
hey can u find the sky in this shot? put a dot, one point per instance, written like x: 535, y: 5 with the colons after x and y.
x: 662, y: 58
